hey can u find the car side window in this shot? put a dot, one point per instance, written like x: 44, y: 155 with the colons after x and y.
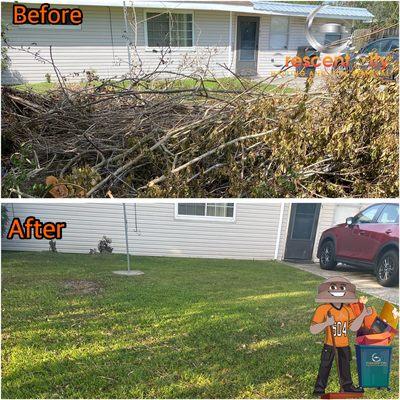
x: 385, y: 45
x: 389, y: 215
x: 369, y: 48
x: 394, y: 45
x: 367, y: 216
x: 378, y: 46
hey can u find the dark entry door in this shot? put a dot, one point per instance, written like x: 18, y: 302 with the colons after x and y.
x: 302, y: 229
x: 247, y: 45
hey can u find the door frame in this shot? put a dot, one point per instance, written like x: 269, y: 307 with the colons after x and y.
x: 292, y: 213
x: 237, y: 40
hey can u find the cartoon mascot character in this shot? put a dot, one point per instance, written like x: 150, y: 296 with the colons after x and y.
x: 336, y: 318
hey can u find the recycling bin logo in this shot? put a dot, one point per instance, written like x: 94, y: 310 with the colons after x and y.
x: 375, y: 358
x: 332, y: 28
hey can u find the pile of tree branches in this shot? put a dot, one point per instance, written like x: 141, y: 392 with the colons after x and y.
x: 157, y: 138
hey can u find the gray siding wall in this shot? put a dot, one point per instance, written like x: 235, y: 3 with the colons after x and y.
x: 251, y: 236
x: 100, y: 45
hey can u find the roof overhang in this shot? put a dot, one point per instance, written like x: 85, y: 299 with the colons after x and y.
x: 303, y: 10
x: 168, y: 4
x: 259, y: 7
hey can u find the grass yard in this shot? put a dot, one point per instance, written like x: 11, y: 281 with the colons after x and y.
x: 187, y: 328
x: 221, y: 84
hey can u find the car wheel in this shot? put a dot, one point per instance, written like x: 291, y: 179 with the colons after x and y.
x: 327, y: 258
x: 387, y: 270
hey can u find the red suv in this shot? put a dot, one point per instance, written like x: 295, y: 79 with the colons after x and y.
x: 370, y: 239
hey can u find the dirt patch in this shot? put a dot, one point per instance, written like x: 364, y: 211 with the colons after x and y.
x: 81, y: 286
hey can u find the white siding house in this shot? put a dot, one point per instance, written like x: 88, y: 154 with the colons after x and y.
x: 114, y: 39
x: 250, y: 230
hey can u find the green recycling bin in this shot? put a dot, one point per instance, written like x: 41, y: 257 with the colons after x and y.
x: 373, y: 365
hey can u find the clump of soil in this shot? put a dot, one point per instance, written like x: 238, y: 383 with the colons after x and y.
x: 81, y: 286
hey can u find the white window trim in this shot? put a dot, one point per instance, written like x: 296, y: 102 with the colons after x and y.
x: 288, y: 34
x: 146, y: 40
x: 205, y: 217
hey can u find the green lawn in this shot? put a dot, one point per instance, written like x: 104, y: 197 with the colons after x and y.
x: 221, y: 84
x: 187, y: 328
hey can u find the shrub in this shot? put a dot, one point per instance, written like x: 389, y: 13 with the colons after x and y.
x: 104, y: 245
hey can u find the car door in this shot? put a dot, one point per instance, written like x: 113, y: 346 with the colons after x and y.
x: 365, y: 240
x: 350, y: 239
x: 387, y: 224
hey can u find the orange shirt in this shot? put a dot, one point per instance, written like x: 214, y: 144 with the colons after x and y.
x: 343, y: 318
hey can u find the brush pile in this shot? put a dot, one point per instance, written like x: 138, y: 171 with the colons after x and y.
x: 158, y: 139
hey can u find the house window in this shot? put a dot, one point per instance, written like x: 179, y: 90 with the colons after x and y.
x: 206, y: 210
x: 169, y: 30
x: 279, y: 35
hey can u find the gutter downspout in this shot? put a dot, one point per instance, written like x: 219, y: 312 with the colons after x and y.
x: 127, y: 38
x: 278, y: 238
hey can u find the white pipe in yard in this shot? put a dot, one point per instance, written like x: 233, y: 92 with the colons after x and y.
x: 126, y: 237
x: 278, y: 239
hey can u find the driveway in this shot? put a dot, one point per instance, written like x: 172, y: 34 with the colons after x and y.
x: 363, y: 280
x: 299, y: 83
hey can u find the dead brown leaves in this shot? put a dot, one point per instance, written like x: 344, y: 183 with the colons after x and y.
x: 342, y: 142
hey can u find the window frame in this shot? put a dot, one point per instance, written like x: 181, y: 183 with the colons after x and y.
x: 146, y: 37
x: 205, y: 217
x: 287, y: 33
